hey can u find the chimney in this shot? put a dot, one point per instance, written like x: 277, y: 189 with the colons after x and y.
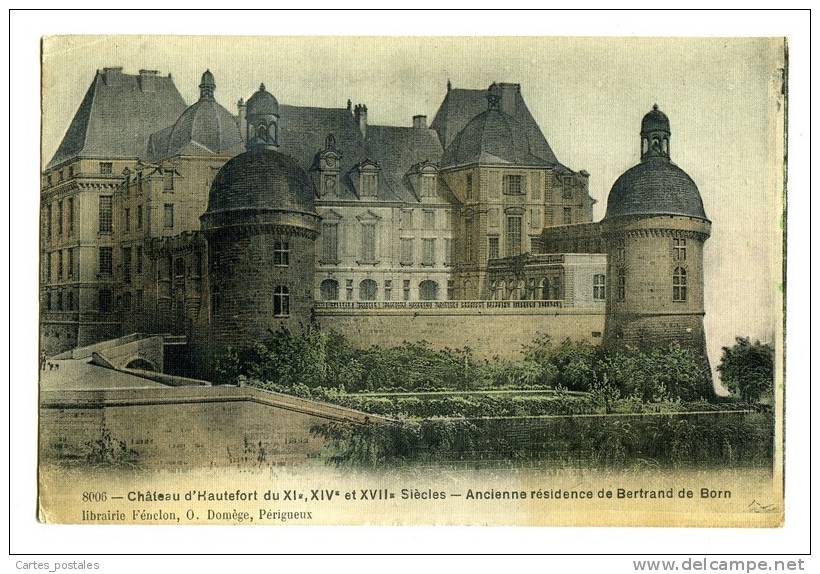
x: 420, y: 122
x: 509, y: 97
x: 241, y: 107
x: 111, y: 76
x: 360, y: 117
x: 148, y: 80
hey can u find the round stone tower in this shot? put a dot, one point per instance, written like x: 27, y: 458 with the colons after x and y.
x: 261, y: 226
x: 655, y: 228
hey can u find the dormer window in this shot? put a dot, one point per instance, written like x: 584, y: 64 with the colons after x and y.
x: 428, y: 186
x: 368, y: 183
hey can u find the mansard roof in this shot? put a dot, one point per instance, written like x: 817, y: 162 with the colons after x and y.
x: 118, y: 114
x: 398, y: 149
x: 462, y: 105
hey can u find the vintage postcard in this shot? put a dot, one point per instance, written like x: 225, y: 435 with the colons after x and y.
x: 412, y: 280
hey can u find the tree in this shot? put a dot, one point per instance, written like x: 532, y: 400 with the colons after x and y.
x: 747, y: 369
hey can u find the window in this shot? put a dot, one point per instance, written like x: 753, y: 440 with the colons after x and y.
x: 405, y: 287
x: 679, y: 249
x: 451, y: 289
x: 60, y: 217
x: 139, y: 297
x: 106, y: 167
x: 369, y: 184
x: 197, y: 263
x: 60, y: 175
x: 60, y: 300
x: 428, y: 186
x: 535, y: 218
x: 126, y: 264
x: 126, y: 219
x: 281, y: 301
x: 468, y: 241
x: 679, y: 284
x: 599, y: 287
x: 168, y: 180
x: 469, y: 186
x: 329, y: 184
x: 566, y: 187
x: 567, y: 216
x: 139, y: 217
x: 330, y: 243
x: 70, y: 215
x: 367, y: 290
x: 368, y: 246
x: 513, y: 185
x: 281, y: 253
x: 329, y: 290
x: 536, y: 185
x: 428, y: 252
x: 349, y: 289
x: 48, y: 267
x: 428, y: 290
x: 513, y: 235
x: 620, y: 251
x: 406, y: 255
x: 493, y: 217
x: 126, y: 301
x: 169, y: 216
x: 60, y: 264
x: 69, y: 304
x: 448, y: 251
x: 139, y: 259
x: 105, y: 214
x: 621, y: 284
x: 492, y: 248
x: 48, y: 300
x: 407, y: 219
x: 216, y: 300
x: 388, y: 289
x: 71, y: 171
x: 104, y: 300
x: 70, y: 265
x: 429, y: 219
x: 179, y: 267
x: 105, y: 261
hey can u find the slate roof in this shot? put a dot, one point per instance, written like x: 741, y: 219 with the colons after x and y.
x: 397, y: 149
x: 492, y: 137
x: 656, y: 186
x: 252, y: 179
x: 204, y: 128
x: 462, y: 105
x: 118, y: 114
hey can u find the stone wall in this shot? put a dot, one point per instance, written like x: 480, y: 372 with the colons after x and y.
x: 184, y: 427
x: 488, y: 332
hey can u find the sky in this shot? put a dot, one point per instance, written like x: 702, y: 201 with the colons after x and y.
x: 588, y: 95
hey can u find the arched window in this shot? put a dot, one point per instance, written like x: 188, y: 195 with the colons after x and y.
x: 367, y: 290
x: 644, y: 145
x: 428, y: 290
x: 281, y: 301
x: 273, y: 132
x: 261, y: 132
x: 665, y: 146
x: 621, y: 284
x: 468, y: 287
x: 329, y: 290
x: 679, y: 284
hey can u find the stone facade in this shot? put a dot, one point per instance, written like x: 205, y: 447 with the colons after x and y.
x: 179, y: 230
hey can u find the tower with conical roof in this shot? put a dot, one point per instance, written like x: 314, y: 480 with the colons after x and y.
x: 655, y: 228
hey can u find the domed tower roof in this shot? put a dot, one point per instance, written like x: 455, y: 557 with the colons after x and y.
x: 655, y: 120
x: 491, y: 137
x: 257, y: 182
x: 656, y: 186
x: 262, y: 103
x: 205, y: 124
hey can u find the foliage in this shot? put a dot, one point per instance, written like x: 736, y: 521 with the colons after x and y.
x: 325, y: 360
x: 747, y: 369
x: 613, y: 441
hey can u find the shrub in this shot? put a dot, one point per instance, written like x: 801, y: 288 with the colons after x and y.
x: 747, y: 369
